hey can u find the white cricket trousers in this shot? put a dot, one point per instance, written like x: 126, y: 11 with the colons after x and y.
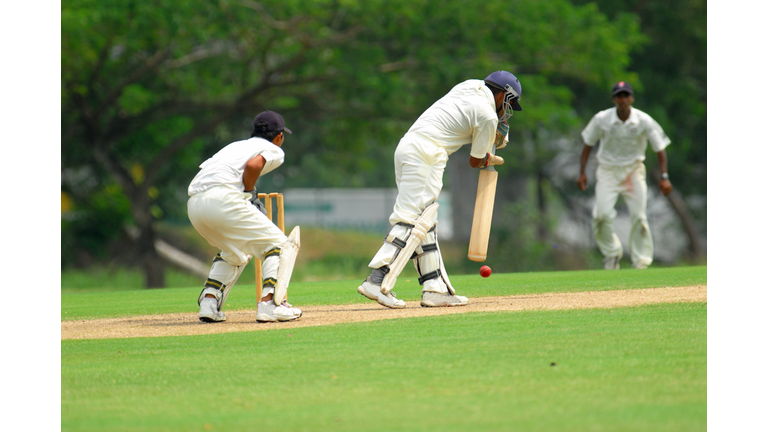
x: 629, y: 182
x: 229, y: 222
x: 419, y: 168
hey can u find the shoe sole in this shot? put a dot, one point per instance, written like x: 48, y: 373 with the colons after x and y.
x: 210, y: 320
x: 364, y: 293
x: 423, y: 304
x: 291, y: 319
x: 262, y: 318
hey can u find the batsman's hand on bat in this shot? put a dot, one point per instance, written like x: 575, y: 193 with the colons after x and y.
x: 582, y: 181
x: 254, y: 199
x: 490, y: 160
x: 502, y: 131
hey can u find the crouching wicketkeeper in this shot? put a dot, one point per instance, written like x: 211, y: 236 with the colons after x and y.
x: 224, y: 208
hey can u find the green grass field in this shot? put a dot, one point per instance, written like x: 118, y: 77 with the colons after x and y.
x: 625, y: 369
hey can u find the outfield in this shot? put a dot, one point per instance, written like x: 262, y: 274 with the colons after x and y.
x: 635, y: 368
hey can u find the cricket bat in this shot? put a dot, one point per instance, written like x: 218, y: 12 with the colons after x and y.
x: 481, y: 221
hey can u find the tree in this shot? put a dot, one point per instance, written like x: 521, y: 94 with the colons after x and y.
x: 144, y: 82
x: 151, y: 89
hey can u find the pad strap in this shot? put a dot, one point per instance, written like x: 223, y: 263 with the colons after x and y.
x: 213, y: 283
x: 400, y: 243
x: 396, y: 241
x: 431, y: 275
x: 423, y: 250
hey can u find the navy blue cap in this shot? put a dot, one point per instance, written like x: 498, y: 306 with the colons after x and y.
x: 621, y: 86
x: 269, y: 121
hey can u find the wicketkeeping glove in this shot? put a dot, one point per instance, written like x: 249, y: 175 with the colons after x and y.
x: 254, y: 199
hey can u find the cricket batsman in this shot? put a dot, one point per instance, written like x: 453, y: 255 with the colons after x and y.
x: 474, y: 112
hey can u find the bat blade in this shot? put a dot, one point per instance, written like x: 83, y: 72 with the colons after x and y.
x: 481, y: 220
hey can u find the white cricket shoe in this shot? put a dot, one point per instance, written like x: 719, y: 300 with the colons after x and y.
x: 209, y: 311
x: 612, y: 263
x: 270, y: 312
x: 433, y: 299
x: 373, y: 292
x: 639, y: 265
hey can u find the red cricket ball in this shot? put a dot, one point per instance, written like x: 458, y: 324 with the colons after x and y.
x: 485, y: 271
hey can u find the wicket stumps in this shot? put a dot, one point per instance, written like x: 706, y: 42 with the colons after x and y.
x: 280, y: 224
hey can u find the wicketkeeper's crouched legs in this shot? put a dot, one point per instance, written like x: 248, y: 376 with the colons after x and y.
x: 221, y: 278
x: 269, y: 271
x: 277, y: 270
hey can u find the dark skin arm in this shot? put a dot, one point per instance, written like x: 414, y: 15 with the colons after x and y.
x: 665, y: 186
x: 582, y: 181
x: 252, y: 171
x: 254, y: 166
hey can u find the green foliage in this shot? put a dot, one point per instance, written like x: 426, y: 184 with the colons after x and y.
x: 89, y: 228
x: 163, y: 85
x: 669, y: 74
x: 628, y: 369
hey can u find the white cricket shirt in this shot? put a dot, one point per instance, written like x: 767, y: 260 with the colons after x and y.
x: 227, y: 166
x: 623, y: 143
x: 467, y: 114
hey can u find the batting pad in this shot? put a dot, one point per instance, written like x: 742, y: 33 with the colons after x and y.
x: 443, y: 273
x: 430, y: 266
x: 224, y: 271
x: 289, y: 251
x: 420, y: 229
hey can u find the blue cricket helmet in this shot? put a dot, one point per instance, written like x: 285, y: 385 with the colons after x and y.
x: 511, y: 86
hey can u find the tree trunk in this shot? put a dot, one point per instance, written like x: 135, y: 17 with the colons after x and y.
x: 695, y: 251
x: 542, y: 230
x: 149, y: 259
x: 146, y: 254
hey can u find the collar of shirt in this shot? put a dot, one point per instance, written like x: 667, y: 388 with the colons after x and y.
x: 633, y: 117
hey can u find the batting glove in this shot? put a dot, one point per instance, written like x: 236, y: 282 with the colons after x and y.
x: 502, y: 130
x: 254, y: 199
x: 492, y: 160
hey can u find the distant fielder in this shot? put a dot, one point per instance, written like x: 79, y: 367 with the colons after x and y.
x: 624, y: 133
x: 224, y: 208
x: 473, y: 112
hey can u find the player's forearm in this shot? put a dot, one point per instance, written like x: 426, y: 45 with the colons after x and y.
x: 585, y: 152
x: 662, y: 157
x: 252, y: 172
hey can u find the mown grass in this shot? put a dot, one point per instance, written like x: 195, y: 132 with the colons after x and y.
x: 626, y: 369
x: 242, y: 295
